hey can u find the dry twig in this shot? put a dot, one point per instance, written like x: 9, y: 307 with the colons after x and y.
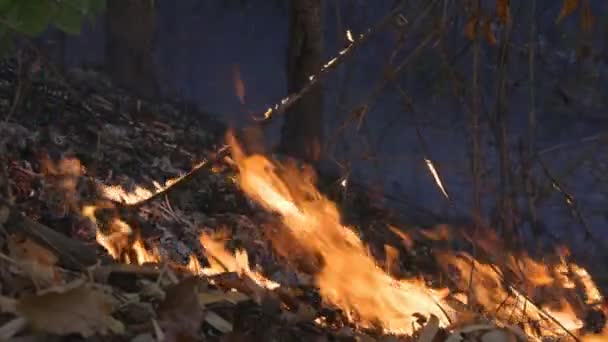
x: 288, y: 101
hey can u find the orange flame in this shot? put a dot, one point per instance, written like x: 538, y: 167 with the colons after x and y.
x: 118, y: 241
x: 349, y: 277
x: 222, y: 260
x: 550, y: 296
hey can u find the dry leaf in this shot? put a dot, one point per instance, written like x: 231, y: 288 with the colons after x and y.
x: 218, y: 322
x: 181, y: 313
x: 503, y: 11
x: 82, y: 309
x: 12, y: 328
x: 37, y: 261
x: 568, y: 6
x: 233, y: 297
x: 587, y: 19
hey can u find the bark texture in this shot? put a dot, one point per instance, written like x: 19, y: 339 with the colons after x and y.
x: 302, y: 132
x: 130, y: 29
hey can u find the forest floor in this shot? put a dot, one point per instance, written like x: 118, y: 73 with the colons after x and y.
x: 100, y: 243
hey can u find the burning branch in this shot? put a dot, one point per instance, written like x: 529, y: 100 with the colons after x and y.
x: 177, y: 182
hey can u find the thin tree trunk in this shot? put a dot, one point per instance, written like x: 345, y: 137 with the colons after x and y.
x: 129, y: 43
x: 302, y: 132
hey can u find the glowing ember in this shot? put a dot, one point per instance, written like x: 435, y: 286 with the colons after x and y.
x: 349, y: 277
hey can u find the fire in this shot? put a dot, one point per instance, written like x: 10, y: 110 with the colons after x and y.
x: 349, y: 276
x: 549, y: 298
x: 138, y: 194
x: 485, y: 286
x: 142, y: 255
x: 120, y: 242
x: 222, y: 260
x: 118, y: 194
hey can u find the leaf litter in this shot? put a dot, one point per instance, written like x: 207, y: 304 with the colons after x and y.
x: 77, y: 308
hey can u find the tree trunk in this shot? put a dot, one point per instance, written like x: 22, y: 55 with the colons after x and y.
x: 302, y: 132
x: 129, y: 43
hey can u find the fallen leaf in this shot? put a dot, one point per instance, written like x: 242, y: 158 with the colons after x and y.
x: 568, y: 7
x: 11, y: 328
x: 181, y: 312
x: 82, y: 309
x: 218, y: 322
x: 233, y: 297
x: 35, y: 260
